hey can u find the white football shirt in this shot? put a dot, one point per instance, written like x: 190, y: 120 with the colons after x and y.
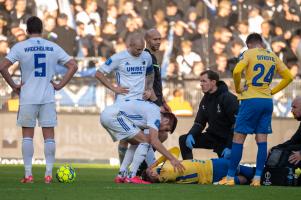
x: 144, y: 114
x: 130, y: 72
x: 37, y: 59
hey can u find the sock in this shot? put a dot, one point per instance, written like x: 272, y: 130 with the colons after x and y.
x: 27, y: 152
x: 236, y: 180
x: 150, y: 157
x: 236, y: 155
x: 121, y: 153
x: 49, y: 151
x: 261, y: 158
x: 139, y: 156
x: 128, y: 158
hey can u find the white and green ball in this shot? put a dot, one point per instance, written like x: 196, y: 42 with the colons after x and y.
x: 66, y: 174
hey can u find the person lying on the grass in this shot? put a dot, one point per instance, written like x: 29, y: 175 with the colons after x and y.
x: 196, y: 171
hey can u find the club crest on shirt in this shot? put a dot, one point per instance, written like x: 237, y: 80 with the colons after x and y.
x: 143, y: 63
x: 108, y: 61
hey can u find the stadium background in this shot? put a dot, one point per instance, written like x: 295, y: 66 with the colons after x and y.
x: 196, y: 35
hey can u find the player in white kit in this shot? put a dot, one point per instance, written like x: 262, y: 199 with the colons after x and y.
x: 37, y: 59
x: 131, y: 67
x: 126, y: 120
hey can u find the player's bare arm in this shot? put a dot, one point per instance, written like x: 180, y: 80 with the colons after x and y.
x: 155, y: 142
x: 104, y: 80
x: 72, y: 68
x: 4, y: 65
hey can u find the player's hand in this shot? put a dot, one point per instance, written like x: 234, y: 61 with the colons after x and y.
x: 56, y: 86
x: 190, y: 141
x: 295, y: 157
x: 147, y: 94
x: 226, y: 153
x: 121, y: 90
x: 177, y: 165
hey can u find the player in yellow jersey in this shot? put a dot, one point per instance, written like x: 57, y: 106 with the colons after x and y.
x: 196, y: 171
x: 256, y: 107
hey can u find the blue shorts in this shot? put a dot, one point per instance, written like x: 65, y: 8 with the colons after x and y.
x: 220, y: 168
x: 254, y: 116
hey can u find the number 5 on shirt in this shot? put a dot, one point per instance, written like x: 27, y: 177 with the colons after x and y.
x: 40, y: 67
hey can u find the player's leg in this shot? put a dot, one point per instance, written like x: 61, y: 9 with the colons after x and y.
x: 27, y: 120
x: 262, y: 131
x: 128, y: 158
x: 246, y: 122
x: 140, y: 152
x: 122, y: 148
x: 48, y: 120
x: 27, y: 153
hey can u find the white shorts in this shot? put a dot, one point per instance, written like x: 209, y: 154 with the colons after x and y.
x: 45, y: 113
x: 119, y: 126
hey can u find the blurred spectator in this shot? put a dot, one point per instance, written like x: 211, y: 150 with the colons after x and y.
x: 187, y: 59
x: 202, y: 40
x: 178, y: 105
x: 221, y: 66
x: 255, y: 20
x: 8, y: 10
x: 278, y: 47
x: 3, y: 28
x: 78, y: 6
x: 108, y: 40
x: 242, y: 8
x: 90, y: 18
x: 85, y: 42
x: 46, y: 8
x: 217, y: 49
x: 270, y: 7
x: 243, y: 31
x: 112, y: 14
x: 266, y: 33
x: 19, y: 14
x: 172, y: 12
x: 172, y: 71
x: 224, y: 17
x: 235, y: 50
x: 49, y: 25
x: 65, y: 36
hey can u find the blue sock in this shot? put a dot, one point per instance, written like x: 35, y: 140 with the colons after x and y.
x: 236, y: 180
x: 236, y: 155
x: 261, y: 158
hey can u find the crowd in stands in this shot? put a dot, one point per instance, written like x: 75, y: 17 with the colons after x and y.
x: 196, y: 34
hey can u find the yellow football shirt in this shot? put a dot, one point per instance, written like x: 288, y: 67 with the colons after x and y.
x: 196, y: 171
x: 259, y: 66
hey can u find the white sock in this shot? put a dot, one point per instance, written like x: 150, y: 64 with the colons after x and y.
x: 150, y: 157
x: 128, y: 158
x: 27, y: 152
x: 49, y: 151
x: 139, y: 156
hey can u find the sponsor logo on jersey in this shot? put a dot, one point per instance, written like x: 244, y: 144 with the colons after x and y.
x: 136, y: 69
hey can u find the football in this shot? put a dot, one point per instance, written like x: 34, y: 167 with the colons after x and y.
x: 66, y: 174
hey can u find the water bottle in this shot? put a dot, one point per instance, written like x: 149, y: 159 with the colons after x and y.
x: 290, y: 177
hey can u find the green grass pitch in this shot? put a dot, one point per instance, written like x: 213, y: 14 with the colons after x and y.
x: 96, y: 182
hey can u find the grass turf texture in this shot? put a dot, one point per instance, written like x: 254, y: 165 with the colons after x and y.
x: 96, y: 182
